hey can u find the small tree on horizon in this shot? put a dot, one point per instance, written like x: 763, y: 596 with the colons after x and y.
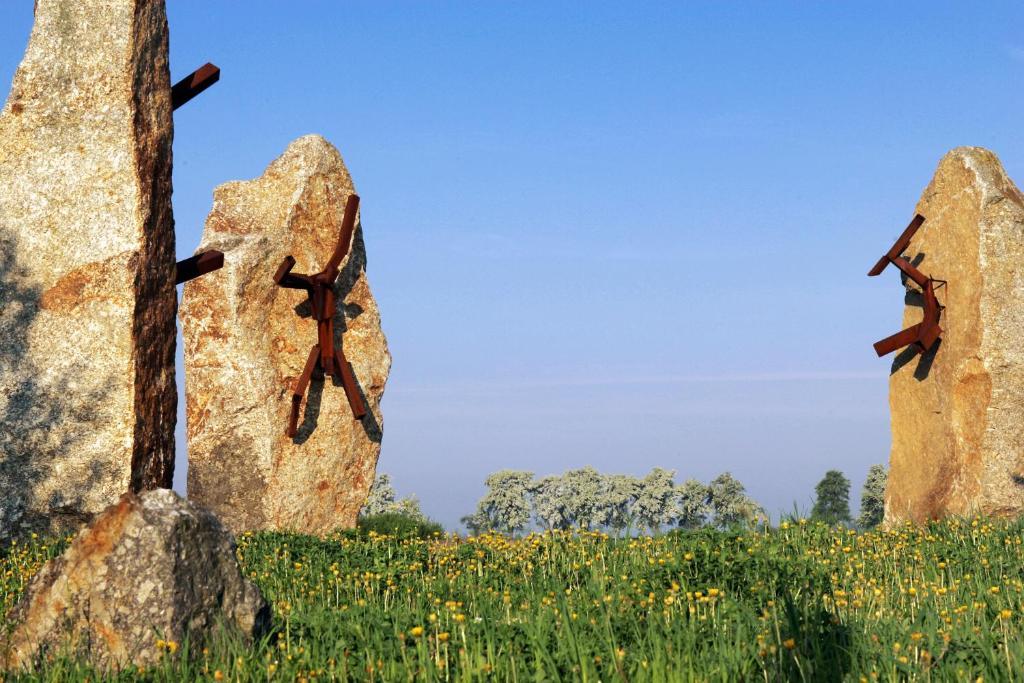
x: 616, y: 499
x: 477, y: 523
x: 832, y: 498
x: 729, y: 502
x: 692, y: 504
x: 549, y: 496
x: 381, y: 498
x: 872, y: 497
x: 381, y: 501
x: 506, y: 505
x: 582, y: 489
x: 655, y: 504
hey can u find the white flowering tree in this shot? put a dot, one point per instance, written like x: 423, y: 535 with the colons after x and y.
x: 655, y: 504
x: 506, y: 505
x: 617, y: 496
x: 582, y: 490
x: 549, y: 502
x: 381, y: 500
x: 692, y: 504
x: 730, y: 504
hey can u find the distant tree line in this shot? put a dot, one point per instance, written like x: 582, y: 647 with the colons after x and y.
x: 587, y: 499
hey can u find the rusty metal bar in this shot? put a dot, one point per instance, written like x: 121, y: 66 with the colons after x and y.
x: 285, y: 278
x: 348, y: 226
x: 301, y: 384
x: 200, y: 264
x: 913, y: 273
x: 902, y: 242
x: 930, y: 329
x: 898, y: 340
x: 193, y: 84
x: 348, y: 382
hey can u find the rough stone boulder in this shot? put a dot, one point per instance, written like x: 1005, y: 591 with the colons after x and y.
x: 958, y: 412
x: 247, y: 340
x: 151, y: 567
x: 87, y: 393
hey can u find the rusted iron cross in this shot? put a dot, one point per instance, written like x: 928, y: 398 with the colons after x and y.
x: 324, y: 358
x: 922, y: 336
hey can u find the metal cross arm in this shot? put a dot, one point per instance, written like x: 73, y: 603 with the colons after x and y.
x: 898, y: 248
x: 193, y: 84
x: 200, y: 264
x: 324, y: 358
x: 924, y: 334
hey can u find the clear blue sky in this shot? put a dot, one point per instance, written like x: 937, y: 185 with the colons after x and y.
x: 619, y: 234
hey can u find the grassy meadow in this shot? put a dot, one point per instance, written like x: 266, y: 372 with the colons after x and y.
x: 797, y: 602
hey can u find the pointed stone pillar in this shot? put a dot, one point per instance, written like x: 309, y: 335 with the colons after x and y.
x: 958, y: 412
x: 87, y: 393
x: 247, y: 340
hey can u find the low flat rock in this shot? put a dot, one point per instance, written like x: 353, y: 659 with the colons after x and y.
x: 151, y: 567
x: 87, y: 328
x: 958, y: 413
x: 247, y: 340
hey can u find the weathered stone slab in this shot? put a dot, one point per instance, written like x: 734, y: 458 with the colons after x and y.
x: 247, y: 340
x: 151, y: 567
x: 958, y: 413
x: 87, y: 394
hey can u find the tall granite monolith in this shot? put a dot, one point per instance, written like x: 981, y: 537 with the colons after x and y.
x: 87, y: 328
x: 247, y: 340
x: 958, y: 411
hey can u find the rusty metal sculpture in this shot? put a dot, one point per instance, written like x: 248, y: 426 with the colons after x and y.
x: 922, y: 336
x: 324, y: 358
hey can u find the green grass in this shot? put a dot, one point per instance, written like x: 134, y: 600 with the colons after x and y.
x: 801, y: 602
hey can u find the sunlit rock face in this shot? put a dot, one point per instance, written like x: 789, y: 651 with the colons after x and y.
x: 958, y: 413
x: 247, y: 340
x: 87, y: 329
x: 151, y: 567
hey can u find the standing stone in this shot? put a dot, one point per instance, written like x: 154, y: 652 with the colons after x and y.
x: 246, y: 341
x: 958, y: 413
x: 87, y: 394
x: 151, y: 567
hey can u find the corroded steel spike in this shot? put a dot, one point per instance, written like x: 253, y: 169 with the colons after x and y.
x: 200, y: 264
x: 193, y: 84
x: 324, y: 357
